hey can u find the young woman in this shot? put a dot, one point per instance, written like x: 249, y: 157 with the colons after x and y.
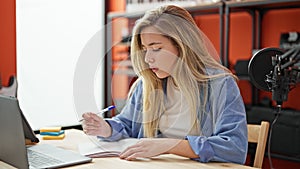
x: 184, y: 102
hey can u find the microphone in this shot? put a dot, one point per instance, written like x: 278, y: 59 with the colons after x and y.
x: 276, y: 71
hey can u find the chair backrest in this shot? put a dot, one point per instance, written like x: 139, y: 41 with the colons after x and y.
x: 258, y: 134
x: 11, y: 90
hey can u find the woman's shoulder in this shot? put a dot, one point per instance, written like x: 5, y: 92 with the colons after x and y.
x: 215, y: 71
x: 221, y: 79
x: 219, y: 75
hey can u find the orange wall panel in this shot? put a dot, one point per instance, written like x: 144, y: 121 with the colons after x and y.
x: 276, y: 22
x: 240, y: 40
x: 7, y: 40
x: 240, y: 47
x: 210, y: 25
x: 117, y: 5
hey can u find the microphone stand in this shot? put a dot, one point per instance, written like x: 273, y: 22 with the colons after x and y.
x: 280, y: 80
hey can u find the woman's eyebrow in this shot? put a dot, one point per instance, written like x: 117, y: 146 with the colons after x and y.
x: 153, y: 43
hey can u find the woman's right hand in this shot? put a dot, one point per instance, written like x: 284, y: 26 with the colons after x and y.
x: 94, y: 125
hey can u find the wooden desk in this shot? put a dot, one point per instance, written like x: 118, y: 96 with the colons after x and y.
x: 75, y: 137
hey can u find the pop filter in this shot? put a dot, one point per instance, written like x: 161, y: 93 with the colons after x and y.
x: 260, y: 66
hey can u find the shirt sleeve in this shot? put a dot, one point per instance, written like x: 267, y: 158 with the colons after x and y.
x: 129, y: 122
x: 228, y: 140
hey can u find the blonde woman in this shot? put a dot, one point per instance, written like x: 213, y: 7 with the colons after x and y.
x: 184, y: 101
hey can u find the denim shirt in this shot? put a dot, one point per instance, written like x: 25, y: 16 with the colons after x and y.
x: 224, y: 126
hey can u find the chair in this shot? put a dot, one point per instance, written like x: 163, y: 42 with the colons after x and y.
x: 258, y: 134
x: 11, y: 90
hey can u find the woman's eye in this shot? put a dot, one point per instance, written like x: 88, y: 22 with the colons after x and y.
x: 156, y: 49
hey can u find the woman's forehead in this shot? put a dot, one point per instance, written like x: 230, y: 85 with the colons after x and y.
x: 150, y: 30
x: 150, y: 39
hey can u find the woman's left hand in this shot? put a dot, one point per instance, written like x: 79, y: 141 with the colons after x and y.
x: 149, y: 147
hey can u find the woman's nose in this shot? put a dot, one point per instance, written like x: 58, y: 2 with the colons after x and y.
x: 149, y: 57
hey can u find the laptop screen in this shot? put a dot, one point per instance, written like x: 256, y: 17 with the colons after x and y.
x: 12, y: 145
x: 14, y: 128
x: 28, y: 132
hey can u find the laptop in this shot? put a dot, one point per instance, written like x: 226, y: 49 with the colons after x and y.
x: 14, y: 128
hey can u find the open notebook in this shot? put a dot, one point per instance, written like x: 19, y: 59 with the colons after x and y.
x: 14, y: 128
x: 96, y: 148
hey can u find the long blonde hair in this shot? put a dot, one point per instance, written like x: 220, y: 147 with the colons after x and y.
x: 190, y: 72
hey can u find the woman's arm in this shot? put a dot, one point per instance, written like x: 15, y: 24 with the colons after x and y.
x: 184, y: 149
x: 227, y: 141
x: 129, y: 122
x: 150, y: 147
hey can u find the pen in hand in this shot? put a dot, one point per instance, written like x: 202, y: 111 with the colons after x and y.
x: 103, y: 111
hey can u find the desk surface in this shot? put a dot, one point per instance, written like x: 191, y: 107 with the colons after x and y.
x: 75, y: 137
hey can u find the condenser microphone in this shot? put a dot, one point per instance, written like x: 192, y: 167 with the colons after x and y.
x: 274, y: 70
x: 260, y: 66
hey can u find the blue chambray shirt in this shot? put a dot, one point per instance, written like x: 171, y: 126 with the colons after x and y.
x: 223, y: 123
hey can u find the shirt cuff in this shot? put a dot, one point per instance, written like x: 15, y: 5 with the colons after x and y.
x: 201, y: 147
x: 116, y: 131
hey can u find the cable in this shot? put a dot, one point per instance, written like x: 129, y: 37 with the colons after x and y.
x: 270, y: 135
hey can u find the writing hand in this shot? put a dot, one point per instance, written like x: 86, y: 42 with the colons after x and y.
x: 94, y: 125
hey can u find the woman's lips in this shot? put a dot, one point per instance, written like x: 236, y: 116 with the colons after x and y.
x: 154, y: 69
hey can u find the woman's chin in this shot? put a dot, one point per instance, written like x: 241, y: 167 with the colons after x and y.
x: 162, y: 75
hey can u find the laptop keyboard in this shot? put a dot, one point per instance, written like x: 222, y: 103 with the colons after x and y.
x: 37, y: 159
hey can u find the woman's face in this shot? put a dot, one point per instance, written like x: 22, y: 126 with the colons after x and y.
x: 160, y: 53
